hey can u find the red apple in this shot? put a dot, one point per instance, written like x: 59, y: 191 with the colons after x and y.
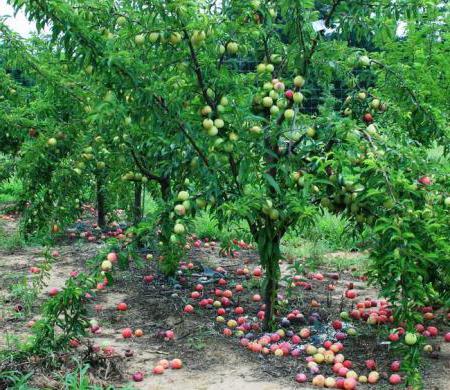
x: 395, y: 379
x: 368, y: 118
x: 336, y: 324
x: 176, y: 364
x: 188, y: 309
x: 351, y: 294
x: 148, y: 278
x: 158, y: 370
x: 350, y: 383
x: 122, y: 306
x: 425, y: 180
x: 395, y: 366
x: 301, y: 378
x: 53, y: 291
x: 257, y: 272
x: 127, y: 333
x: 138, y: 376
x: 170, y: 335
x: 394, y: 337
x: 256, y: 298
x: 112, y: 257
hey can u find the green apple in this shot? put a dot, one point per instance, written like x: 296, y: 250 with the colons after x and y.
x: 208, y: 124
x: 311, y: 132
x: 364, y: 60
x: 298, y: 97
x: 232, y: 48
x: 289, y: 114
x: 153, y: 37
x: 261, y: 68
x: 299, y: 81
x: 219, y: 123
x: 182, y: 196
x: 139, y: 39
x: 256, y: 130
x: 175, y: 38
x: 267, y: 102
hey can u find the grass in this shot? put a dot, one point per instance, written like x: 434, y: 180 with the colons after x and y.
x: 329, y: 233
x: 10, y: 190
x: 10, y: 241
x: 206, y: 226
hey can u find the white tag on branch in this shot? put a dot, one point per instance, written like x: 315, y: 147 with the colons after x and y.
x: 319, y: 25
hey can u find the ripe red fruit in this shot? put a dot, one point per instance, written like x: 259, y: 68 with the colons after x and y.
x: 158, y: 370
x: 425, y: 180
x: 220, y: 311
x: 289, y: 94
x: 447, y: 337
x: 199, y: 287
x: 188, y: 309
x: 170, y: 335
x: 337, y: 324
x: 148, y: 278
x: 433, y: 331
x: 301, y: 378
x: 395, y: 366
x: 239, y: 310
x: 222, y: 282
x: 347, y: 364
x: 257, y: 272
x: 127, y: 333
x: 35, y: 270
x: 256, y: 298
x: 394, y: 337
x: 195, y: 295
x: 74, y: 343
x: 138, y: 376
x: 350, y: 383
x: 355, y: 314
x: 239, y: 288
x: 53, y: 291
x: 176, y: 364
x: 395, y: 379
x: 428, y: 316
x: 420, y: 328
x: 351, y: 294
x: 122, y: 306
x: 370, y: 364
x: 368, y: 118
x: 112, y: 257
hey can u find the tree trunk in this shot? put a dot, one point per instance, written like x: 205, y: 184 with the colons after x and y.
x: 269, y: 251
x: 137, y: 209
x: 101, y: 201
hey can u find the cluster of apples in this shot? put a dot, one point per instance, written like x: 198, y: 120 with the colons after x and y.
x: 370, y: 310
x: 128, y: 333
x: 181, y: 208
x: 159, y: 368
x: 111, y: 258
x: 275, y: 97
x: 213, y: 122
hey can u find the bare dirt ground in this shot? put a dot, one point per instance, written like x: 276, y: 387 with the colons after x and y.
x: 211, y: 360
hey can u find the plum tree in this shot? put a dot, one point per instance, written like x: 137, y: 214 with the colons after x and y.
x: 270, y: 116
